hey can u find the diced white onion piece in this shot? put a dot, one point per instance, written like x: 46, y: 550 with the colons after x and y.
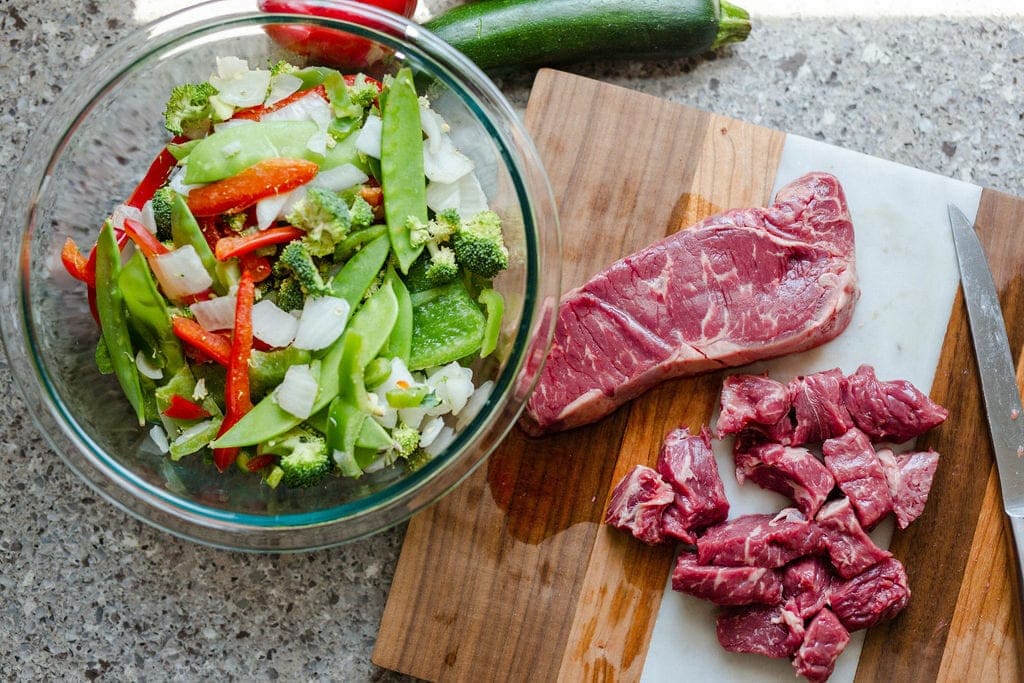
x: 146, y: 368
x: 447, y: 164
x: 474, y: 404
x: 231, y: 123
x: 296, y: 394
x: 242, y: 89
x: 433, y: 125
x: 339, y: 178
x: 430, y: 431
x: 309, y: 107
x: 368, y: 140
x: 399, y: 373
x: 472, y: 199
x: 271, y: 325
x: 442, y: 442
x: 453, y: 385
x: 291, y: 199
x: 229, y: 67
x: 215, y: 314
x: 268, y: 209
x: 181, y: 272
x: 442, y: 196
x: 323, y: 320
x: 200, y: 392
x: 159, y: 437
x: 177, y: 182
x: 148, y: 219
x: 281, y: 86
x: 388, y: 417
x: 122, y: 211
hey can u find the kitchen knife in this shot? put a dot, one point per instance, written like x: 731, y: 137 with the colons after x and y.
x: 998, y: 376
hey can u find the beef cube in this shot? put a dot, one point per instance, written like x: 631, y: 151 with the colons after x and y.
x: 773, y: 631
x: 819, y: 408
x: 851, y: 458
x: 824, y: 641
x: 877, y: 594
x: 688, y: 464
x: 909, y: 477
x: 755, y: 402
x: 806, y: 583
x: 673, y: 525
x: 638, y: 503
x: 893, y: 411
x: 790, y: 470
x: 849, y: 548
x: 726, y: 585
x: 760, y: 540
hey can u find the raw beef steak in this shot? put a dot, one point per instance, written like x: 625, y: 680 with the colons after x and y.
x: 889, y: 411
x: 818, y: 406
x: 909, y: 476
x: 687, y: 463
x: 744, y: 285
x: 851, y: 458
x: 726, y: 585
x: 850, y: 549
x: 769, y: 631
x: 791, y: 471
x: 825, y: 640
x: 760, y: 540
x: 638, y: 502
x: 755, y: 402
x: 879, y: 593
x: 806, y: 583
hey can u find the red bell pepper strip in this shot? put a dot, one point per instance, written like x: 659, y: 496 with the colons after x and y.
x: 264, y: 179
x: 180, y: 408
x: 259, y: 462
x: 257, y: 112
x: 214, y: 346
x: 146, y: 241
x: 158, y: 173
x: 259, y: 266
x: 75, y: 263
x: 241, y: 245
x: 237, y: 400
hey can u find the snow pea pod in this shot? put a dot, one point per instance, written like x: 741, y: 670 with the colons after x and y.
x: 185, y: 230
x: 357, y: 239
x: 359, y: 272
x: 148, y: 314
x: 228, y: 152
x: 403, y: 181
x: 113, y: 316
x: 374, y: 321
x: 400, y: 342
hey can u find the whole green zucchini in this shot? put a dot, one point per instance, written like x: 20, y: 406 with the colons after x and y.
x: 499, y: 34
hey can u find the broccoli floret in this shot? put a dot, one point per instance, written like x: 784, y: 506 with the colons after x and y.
x: 235, y: 221
x: 282, y: 67
x: 295, y: 257
x: 289, y: 295
x: 304, y: 457
x: 360, y: 214
x: 325, y: 217
x: 189, y: 111
x: 443, y: 267
x: 406, y: 438
x: 162, y: 200
x: 479, y: 247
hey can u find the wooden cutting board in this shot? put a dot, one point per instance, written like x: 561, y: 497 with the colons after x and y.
x: 512, y: 576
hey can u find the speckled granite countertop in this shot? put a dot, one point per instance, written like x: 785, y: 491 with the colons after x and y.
x: 88, y: 592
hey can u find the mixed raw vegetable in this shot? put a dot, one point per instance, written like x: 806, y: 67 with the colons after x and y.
x: 299, y: 284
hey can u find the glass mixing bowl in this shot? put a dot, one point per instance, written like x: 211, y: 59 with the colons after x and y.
x: 94, y: 149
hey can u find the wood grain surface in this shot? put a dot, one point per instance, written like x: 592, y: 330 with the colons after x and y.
x: 512, y: 577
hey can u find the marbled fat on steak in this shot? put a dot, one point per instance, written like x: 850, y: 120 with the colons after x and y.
x: 760, y: 540
x: 773, y: 631
x: 726, y: 585
x: 909, y: 476
x: 806, y: 584
x: 790, y: 470
x: 877, y: 594
x: 744, y: 285
x: 638, y: 503
x: 849, y: 547
x: 818, y: 406
x: 894, y: 411
x: 687, y: 463
x: 824, y: 641
x: 858, y: 471
x: 755, y: 402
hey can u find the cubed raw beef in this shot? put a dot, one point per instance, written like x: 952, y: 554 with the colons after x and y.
x: 909, y: 477
x: 638, y: 502
x: 806, y: 583
x: 773, y: 631
x: 792, y: 471
x: 726, y: 585
x: 849, y: 548
x: 825, y: 640
x: 851, y: 458
x: 673, y: 525
x: 755, y: 402
x: 760, y: 540
x: 889, y: 411
x: 744, y: 285
x: 818, y: 406
x: 876, y: 594
x: 687, y: 463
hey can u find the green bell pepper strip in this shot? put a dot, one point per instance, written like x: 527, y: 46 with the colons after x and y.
x: 400, y: 342
x: 495, y: 305
x: 359, y: 272
x: 113, y: 315
x: 230, y: 151
x: 447, y: 325
x: 403, y: 181
x: 147, y: 311
x: 377, y: 371
x: 185, y: 230
x: 374, y: 322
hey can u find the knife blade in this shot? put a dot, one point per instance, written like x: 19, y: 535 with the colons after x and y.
x: 997, y: 372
